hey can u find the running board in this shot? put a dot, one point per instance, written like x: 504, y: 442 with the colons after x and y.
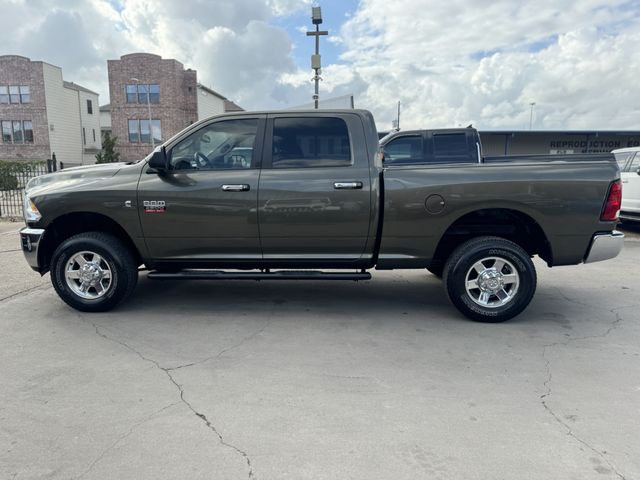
x: 266, y: 275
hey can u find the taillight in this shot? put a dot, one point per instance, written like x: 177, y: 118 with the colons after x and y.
x: 613, y: 204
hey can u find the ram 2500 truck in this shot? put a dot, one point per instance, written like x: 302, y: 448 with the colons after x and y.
x: 307, y: 195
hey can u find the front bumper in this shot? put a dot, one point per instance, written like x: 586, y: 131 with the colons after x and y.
x: 30, y: 240
x: 605, y: 246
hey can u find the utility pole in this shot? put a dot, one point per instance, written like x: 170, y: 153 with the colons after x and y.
x: 316, y: 19
x: 532, y: 104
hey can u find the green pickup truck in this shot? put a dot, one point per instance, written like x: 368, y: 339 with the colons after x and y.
x: 307, y: 195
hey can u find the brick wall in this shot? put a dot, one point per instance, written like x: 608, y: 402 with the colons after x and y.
x: 17, y: 70
x: 178, y: 102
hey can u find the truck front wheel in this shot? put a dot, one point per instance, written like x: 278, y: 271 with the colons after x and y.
x: 490, y: 279
x: 93, y: 272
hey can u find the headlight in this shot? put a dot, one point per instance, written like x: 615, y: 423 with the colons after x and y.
x: 31, y: 213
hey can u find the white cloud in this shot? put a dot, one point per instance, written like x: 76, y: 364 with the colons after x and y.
x: 449, y: 63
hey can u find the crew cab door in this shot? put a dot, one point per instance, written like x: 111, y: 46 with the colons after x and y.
x: 315, y: 189
x: 204, y: 206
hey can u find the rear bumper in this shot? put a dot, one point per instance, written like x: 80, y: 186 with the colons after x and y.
x: 605, y: 246
x: 30, y: 241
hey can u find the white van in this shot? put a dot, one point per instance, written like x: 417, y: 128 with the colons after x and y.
x: 629, y: 161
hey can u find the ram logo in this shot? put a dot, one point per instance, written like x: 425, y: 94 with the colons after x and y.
x: 154, y: 206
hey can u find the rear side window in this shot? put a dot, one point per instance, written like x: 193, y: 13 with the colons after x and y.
x: 451, y: 148
x: 404, y: 150
x: 310, y: 142
x: 622, y: 158
x: 635, y: 164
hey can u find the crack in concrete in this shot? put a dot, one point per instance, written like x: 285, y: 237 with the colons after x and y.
x: 122, y: 437
x: 25, y: 291
x: 547, y: 385
x: 167, y: 371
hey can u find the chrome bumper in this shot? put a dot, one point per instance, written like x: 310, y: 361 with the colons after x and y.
x: 30, y: 240
x: 605, y: 246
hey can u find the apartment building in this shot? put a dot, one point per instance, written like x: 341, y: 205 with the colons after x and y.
x: 152, y: 99
x: 41, y: 114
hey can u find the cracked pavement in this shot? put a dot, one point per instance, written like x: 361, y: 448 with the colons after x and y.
x: 308, y: 380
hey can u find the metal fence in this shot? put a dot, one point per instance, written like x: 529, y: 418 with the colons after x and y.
x: 14, y: 177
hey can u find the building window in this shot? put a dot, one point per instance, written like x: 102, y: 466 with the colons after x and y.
x: 154, y: 93
x: 18, y: 137
x: 28, y: 131
x: 94, y: 134
x: 84, y: 136
x: 139, y: 131
x: 14, y: 93
x: 134, y: 136
x: 89, y: 107
x: 139, y: 93
x: 4, y: 94
x: 132, y: 94
x: 7, y: 137
x: 25, y: 94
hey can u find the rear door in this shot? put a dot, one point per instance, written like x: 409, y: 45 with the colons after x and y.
x: 452, y: 146
x: 314, y: 200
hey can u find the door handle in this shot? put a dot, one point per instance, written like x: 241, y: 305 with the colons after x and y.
x: 243, y: 187
x: 347, y: 185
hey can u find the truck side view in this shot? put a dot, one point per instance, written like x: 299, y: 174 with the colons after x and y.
x: 308, y: 195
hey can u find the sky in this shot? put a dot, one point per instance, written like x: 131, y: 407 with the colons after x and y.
x: 450, y: 63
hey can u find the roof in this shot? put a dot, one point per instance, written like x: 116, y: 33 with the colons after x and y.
x: 561, y: 132
x: 230, y: 106
x: 211, y: 91
x: 105, y: 108
x: 79, y: 88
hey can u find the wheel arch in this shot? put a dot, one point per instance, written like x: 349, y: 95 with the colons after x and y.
x: 510, y: 223
x: 73, y: 223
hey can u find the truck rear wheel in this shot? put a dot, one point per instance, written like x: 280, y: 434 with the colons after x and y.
x: 93, y: 272
x: 490, y: 279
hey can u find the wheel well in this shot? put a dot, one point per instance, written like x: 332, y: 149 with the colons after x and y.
x: 513, y: 225
x: 66, y: 226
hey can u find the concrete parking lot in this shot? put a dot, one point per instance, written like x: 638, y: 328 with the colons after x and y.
x: 312, y: 380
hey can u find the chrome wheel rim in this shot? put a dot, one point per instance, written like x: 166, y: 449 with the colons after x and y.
x: 492, y: 282
x: 88, y: 275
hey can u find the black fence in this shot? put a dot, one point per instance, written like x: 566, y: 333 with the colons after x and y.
x: 14, y: 177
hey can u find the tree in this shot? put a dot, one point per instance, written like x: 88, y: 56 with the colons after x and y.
x: 108, y: 153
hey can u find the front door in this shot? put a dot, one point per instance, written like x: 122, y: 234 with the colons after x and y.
x: 315, y: 189
x: 204, y: 206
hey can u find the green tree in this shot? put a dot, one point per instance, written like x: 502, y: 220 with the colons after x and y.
x: 108, y: 153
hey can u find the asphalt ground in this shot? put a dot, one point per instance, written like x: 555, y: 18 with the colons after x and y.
x: 321, y: 380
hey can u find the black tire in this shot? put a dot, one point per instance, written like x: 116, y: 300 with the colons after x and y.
x: 463, y: 259
x: 117, y: 256
x: 437, y: 270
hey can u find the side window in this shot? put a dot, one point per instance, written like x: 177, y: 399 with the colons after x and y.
x: 451, y: 148
x: 223, y: 145
x: 310, y: 142
x: 622, y: 159
x: 404, y: 150
x: 635, y: 164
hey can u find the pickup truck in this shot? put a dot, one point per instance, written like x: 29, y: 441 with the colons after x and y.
x: 307, y: 195
x: 629, y: 162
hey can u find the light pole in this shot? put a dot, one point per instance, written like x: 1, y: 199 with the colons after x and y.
x: 153, y: 145
x: 316, y: 19
x: 532, y: 104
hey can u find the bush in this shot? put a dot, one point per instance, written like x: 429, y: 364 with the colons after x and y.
x: 12, y: 174
x: 8, y: 182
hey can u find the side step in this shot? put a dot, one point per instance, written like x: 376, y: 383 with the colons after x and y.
x: 264, y: 275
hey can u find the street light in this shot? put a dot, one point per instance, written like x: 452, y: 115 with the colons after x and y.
x: 316, y: 19
x: 153, y: 145
x: 532, y: 104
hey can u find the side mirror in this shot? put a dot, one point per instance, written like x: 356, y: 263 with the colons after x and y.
x: 638, y: 171
x: 158, y: 160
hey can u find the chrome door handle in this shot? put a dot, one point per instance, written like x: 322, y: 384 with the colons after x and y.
x: 236, y: 188
x: 347, y: 185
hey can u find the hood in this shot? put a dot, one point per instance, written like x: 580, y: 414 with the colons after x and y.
x: 67, y: 175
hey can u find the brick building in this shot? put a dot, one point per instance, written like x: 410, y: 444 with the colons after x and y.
x: 151, y: 99
x: 41, y: 114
